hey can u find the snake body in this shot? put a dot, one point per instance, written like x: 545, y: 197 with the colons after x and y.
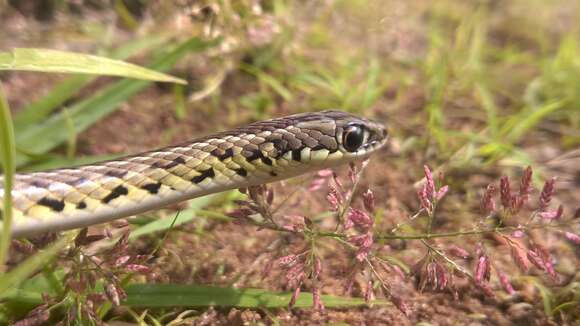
x: 261, y: 152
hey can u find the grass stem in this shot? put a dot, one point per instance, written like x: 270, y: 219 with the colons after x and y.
x: 7, y: 154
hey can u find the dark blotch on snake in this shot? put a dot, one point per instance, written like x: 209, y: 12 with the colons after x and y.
x: 152, y: 188
x: 318, y: 147
x: 178, y: 160
x: 209, y: 173
x: 266, y: 160
x: 223, y: 156
x: 53, y: 204
x: 280, y: 145
x: 254, y: 155
x: 82, y: 205
x: 241, y: 171
x: 40, y: 183
x: 115, y: 193
x: 297, y: 155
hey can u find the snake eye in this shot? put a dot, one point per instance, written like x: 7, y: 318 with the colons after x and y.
x: 352, y: 138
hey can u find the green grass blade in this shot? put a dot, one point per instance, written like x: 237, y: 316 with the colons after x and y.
x: 46, y: 60
x: 38, y: 110
x: 7, y: 155
x: 178, y: 295
x: 269, y: 80
x: 488, y: 104
x: 53, y: 131
x: 526, y: 120
x: 57, y: 96
x: 373, y: 89
x: 24, y: 270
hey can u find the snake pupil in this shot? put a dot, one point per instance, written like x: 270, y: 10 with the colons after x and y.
x: 353, y: 138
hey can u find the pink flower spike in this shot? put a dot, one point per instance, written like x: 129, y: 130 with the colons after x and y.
x: 536, y: 260
x: 459, y: 252
x: 424, y: 199
x: 138, y: 268
x: 113, y: 294
x: 482, y: 270
x: 519, y: 257
x: 369, y: 295
x: 398, y: 272
x: 359, y: 218
x: 348, y: 223
x: 486, y: 289
x: 337, y: 182
x: 122, y: 260
x: 429, y: 183
x: 287, y: 260
x: 552, y: 215
x: 401, y: 305
x: 572, y: 237
x: 316, y: 184
x: 317, y: 302
x: 546, y: 194
x: 505, y: 282
x: 369, y: 201
x: 352, y: 173
x: 526, y: 184
x: 546, y: 260
x: 326, y: 173
x: 442, y: 279
x: 317, y: 267
x: 442, y: 191
x: 334, y: 199
x: 518, y: 234
x: 487, y: 201
x: 364, y: 242
x: 505, y: 192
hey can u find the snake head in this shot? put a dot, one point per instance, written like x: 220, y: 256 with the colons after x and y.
x: 341, y: 135
x: 359, y: 137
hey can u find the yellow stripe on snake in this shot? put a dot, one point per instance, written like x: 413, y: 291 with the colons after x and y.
x: 261, y: 152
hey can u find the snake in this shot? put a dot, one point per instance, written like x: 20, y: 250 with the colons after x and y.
x: 261, y: 152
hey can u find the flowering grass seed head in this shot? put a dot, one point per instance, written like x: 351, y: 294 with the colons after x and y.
x: 459, y: 252
x: 369, y: 201
x: 546, y: 194
x: 552, y: 215
x: 505, y: 282
x: 575, y: 238
x: 435, y: 271
x: 488, y: 201
x: 505, y: 192
x: 526, y: 184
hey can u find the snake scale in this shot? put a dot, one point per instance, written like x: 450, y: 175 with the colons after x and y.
x: 258, y: 153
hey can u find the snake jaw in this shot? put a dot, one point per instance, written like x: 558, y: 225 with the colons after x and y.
x: 261, y: 152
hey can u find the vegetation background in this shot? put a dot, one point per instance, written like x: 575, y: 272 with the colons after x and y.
x: 474, y: 89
